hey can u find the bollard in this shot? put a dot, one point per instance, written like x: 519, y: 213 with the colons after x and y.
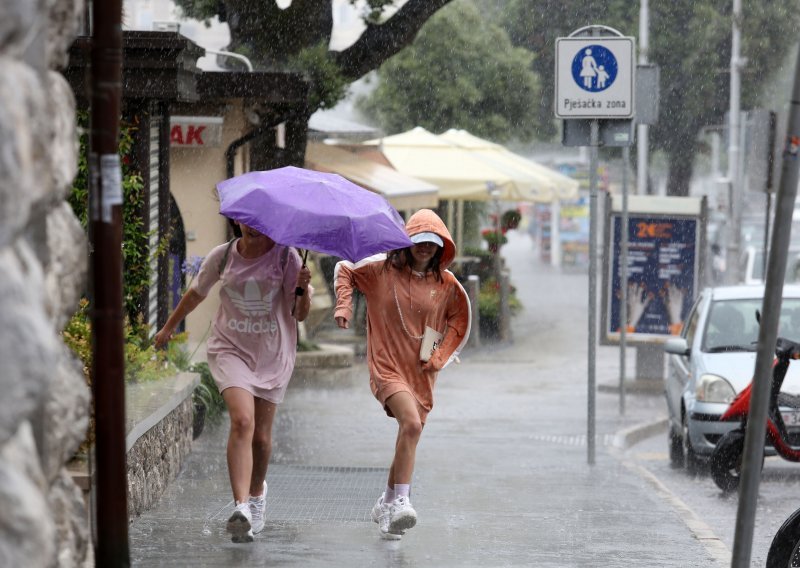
x: 473, y: 286
x: 505, y: 310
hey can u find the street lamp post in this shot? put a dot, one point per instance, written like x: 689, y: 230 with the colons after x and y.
x: 735, y: 192
x: 642, y: 143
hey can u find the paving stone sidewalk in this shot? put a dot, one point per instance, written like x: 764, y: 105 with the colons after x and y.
x: 501, y: 479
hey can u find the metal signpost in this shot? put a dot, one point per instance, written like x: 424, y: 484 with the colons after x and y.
x: 594, y: 82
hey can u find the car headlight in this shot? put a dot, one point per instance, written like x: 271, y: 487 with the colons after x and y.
x: 713, y: 388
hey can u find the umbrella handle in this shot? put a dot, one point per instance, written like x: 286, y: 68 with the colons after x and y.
x: 299, y: 291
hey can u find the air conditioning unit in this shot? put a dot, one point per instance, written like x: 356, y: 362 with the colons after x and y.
x: 163, y: 26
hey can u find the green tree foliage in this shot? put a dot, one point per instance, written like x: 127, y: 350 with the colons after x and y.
x: 135, y: 250
x: 690, y: 40
x: 460, y: 72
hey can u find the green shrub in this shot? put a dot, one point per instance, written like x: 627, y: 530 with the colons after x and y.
x: 307, y: 345
x: 207, y: 394
x: 142, y: 362
x: 136, y: 254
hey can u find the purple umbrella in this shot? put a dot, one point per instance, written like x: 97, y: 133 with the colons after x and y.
x: 314, y: 210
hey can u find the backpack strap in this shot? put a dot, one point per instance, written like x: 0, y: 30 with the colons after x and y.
x: 224, y: 260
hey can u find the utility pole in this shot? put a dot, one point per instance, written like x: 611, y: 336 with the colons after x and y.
x: 642, y: 142
x: 734, y: 151
x: 105, y: 260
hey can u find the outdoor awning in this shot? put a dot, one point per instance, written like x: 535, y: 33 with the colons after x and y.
x: 402, y: 191
x: 458, y: 172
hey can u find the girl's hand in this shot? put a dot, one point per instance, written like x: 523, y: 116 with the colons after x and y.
x: 303, y: 278
x: 342, y: 322
x: 161, y: 338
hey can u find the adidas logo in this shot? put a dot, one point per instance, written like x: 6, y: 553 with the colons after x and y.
x: 254, y: 304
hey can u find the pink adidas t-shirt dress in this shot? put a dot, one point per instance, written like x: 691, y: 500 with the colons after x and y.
x: 253, y: 339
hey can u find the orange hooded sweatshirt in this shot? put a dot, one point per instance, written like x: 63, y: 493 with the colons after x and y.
x: 400, y: 304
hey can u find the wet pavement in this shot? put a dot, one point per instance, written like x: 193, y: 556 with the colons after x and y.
x: 501, y: 479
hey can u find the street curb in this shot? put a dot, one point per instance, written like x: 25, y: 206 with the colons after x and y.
x: 628, y: 437
x: 635, y: 386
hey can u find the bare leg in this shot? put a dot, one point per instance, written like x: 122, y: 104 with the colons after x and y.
x: 262, y: 444
x: 240, y: 405
x: 404, y: 408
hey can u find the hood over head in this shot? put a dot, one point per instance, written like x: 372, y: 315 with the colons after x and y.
x: 426, y: 221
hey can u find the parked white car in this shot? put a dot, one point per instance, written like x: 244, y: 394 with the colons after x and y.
x: 712, y: 360
x: 753, y: 265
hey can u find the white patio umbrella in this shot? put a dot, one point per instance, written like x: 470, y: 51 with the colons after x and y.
x: 457, y: 171
x: 524, y: 171
x: 521, y: 169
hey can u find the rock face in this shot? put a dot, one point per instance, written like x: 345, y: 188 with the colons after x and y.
x: 45, y: 401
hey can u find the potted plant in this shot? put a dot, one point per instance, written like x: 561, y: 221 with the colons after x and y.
x: 494, y: 239
x: 510, y: 219
x: 489, y: 306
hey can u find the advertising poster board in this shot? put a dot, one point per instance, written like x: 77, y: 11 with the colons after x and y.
x: 665, y: 262
x: 574, y: 232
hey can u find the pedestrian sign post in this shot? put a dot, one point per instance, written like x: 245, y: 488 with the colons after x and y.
x: 595, y: 77
x: 594, y: 85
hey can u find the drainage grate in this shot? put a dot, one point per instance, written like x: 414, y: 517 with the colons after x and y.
x: 313, y: 493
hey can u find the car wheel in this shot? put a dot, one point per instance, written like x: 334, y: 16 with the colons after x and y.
x: 726, y: 460
x: 785, y: 548
x: 692, y: 462
x: 675, y: 443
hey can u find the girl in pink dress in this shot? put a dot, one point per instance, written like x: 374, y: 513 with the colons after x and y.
x: 251, y: 354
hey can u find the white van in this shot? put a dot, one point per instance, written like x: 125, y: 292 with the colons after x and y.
x: 753, y: 265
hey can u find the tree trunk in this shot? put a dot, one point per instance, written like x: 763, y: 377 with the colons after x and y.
x: 296, y: 138
x: 379, y: 42
x: 266, y: 154
x: 681, y: 164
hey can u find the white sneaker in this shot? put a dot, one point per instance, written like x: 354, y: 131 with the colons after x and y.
x: 377, y: 508
x: 383, y: 524
x: 239, y: 523
x: 257, y: 510
x: 402, y: 515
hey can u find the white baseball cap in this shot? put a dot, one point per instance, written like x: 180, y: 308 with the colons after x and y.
x: 427, y: 238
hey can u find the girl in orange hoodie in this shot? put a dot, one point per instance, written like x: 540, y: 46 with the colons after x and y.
x: 407, y: 291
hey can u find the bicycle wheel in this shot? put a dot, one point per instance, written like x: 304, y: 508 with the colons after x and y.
x: 785, y: 548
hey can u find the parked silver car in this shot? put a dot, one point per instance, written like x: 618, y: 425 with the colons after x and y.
x: 712, y: 360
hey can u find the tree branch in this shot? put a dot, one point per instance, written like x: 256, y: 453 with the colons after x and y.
x: 379, y: 42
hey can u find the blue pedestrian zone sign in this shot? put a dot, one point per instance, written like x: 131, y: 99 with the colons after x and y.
x: 594, y: 77
x: 594, y: 68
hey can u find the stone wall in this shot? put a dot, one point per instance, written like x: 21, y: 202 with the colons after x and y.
x: 157, y: 456
x: 44, y: 401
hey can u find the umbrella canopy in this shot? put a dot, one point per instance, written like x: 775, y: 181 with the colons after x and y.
x: 461, y: 172
x: 527, y: 173
x: 314, y: 210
